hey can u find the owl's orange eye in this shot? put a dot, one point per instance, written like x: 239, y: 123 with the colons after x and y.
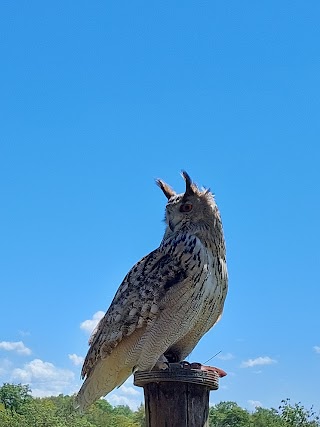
x: 186, y: 207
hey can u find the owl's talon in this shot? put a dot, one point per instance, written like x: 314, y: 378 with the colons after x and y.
x: 196, y: 365
x: 185, y: 365
x: 162, y: 364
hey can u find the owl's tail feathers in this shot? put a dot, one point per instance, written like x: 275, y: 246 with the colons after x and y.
x: 110, y: 371
x: 99, y: 383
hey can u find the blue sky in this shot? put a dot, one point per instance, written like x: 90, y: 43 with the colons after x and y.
x: 100, y: 98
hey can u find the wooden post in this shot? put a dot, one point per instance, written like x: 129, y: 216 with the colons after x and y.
x: 179, y: 395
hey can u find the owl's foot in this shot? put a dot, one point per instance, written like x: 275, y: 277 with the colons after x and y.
x: 195, y: 365
x: 162, y: 363
x: 187, y: 365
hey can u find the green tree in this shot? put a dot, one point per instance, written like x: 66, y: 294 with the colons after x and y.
x: 266, y: 418
x: 139, y: 416
x: 228, y: 414
x: 14, y: 396
x: 100, y: 413
x: 12, y: 420
x: 120, y: 420
x: 123, y: 410
x: 297, y: 415
x: 19, y: 409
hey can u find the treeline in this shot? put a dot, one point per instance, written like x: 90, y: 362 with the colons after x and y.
x: 19, y: 409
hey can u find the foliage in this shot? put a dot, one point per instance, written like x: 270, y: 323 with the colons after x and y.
x: 266, y: 418
x: 19, y: 409
x: 297, y: 416
x: 228, y: 414
x: 14, y: 397
x: 139, y: 416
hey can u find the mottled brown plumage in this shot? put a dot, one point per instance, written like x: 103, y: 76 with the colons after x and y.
x: 167, y: 301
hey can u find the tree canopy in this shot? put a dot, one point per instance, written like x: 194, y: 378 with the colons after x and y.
x: 19, y: 409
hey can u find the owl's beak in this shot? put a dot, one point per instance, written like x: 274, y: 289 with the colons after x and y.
x: 171, y: 225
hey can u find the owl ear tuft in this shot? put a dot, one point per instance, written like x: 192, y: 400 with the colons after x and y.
x: 190, y: 187
x: 167, y: 190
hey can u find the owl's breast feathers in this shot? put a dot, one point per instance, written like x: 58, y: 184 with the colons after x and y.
x: 184, y: 270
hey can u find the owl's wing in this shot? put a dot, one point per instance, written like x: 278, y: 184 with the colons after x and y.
x: 137, y: 302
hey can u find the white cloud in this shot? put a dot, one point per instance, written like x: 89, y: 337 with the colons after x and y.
x: 90, y: 324
x: 17, y: 346
x: 127, y: 394
x: 75, y: 359
x: 116, y: 399
x: 266, y: 360
x: 130, y: 391
x: 254, y: 403
x: 5, y: 366
x: 316, y: 348
x: 225, y: 356
x: 44, y: 378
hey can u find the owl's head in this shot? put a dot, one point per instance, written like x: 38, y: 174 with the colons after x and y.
x: 195, y: 208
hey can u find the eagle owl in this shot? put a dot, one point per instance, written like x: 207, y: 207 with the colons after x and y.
x: 167, y: 301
